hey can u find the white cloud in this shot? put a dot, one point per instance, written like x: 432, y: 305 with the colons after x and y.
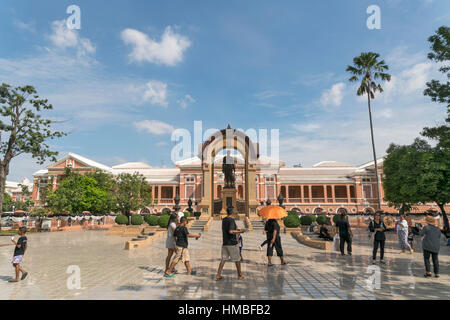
x: 161, y: 143
x: 186, y: 101
x: 154, y: 127
x: 155, y: 92
x: 63, y: 37
x: 333, y: 96
x: 307, y: 127
x: 169, y: 51
x: 30, y: 26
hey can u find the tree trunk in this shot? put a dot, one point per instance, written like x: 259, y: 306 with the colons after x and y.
x: 2, y: 189
x: 374, y: 153
x: 445, y: 218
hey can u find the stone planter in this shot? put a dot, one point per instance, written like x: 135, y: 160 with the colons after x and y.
x: 289, y: 230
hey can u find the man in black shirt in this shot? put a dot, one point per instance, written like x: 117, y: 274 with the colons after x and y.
x: 377, y: 226
x: 273, y: 235
x: 181, y: 236
x: 230, y: 247
x: 345, y: 234
x: 19, y: 251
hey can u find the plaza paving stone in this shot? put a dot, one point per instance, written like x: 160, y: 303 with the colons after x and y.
x: 107, y: 271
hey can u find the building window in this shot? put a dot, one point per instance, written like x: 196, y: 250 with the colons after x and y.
x: 367, y: 191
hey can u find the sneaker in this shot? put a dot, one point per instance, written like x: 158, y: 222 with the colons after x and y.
x: 24, y: 276
x: 427, y: 275
x: 436, y: 275
x: 374, y: 261
x: 382, y: 261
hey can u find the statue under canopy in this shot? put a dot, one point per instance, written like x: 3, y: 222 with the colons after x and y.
x: 228, y: 170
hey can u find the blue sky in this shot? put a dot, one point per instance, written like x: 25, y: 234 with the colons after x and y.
x: 138, y: 69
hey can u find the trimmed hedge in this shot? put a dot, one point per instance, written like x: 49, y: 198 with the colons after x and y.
x: 306, y: 220
x: 163, y: 221
x: 187, y: 214
x: 151, y: 220
x: 321, y: 219
x: 121, y: 219
x: 292, y: 221
x: 136, y: 220
x: 166, y: 211
x: 197, y: 214
x: 292, y: 213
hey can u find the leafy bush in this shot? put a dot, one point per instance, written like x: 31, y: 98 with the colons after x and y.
x: 197, y: 214
x: 292, y: 221
x: 336, y: 218
x: 187, y: 214
x: 136, y: 220
x: 121, y: 219
x: 321, y: 219
x: 163, y: 221
x: 166, y: 211
x: 151, y: 220
x: 313, y: 217
x: 306, y: 220
x: 292, y: 213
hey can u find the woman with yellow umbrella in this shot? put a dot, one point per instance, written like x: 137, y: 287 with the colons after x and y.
x: 272, y: 214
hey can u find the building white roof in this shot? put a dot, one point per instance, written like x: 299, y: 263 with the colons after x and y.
x: 332, y: 164
x: 84, y: 160
x: 132, y: 165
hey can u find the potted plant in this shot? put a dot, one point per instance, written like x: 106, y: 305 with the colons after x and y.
x: 197, y: 215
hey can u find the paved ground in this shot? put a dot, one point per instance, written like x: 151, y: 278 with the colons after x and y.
x: 109, y: 272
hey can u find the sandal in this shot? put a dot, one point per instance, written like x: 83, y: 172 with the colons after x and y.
x: 219, y: 278
x: 241, y: 278
x: 270, y: 264
x: 24, y: 276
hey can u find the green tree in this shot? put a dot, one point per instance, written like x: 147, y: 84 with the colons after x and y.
x: 132, y: 192
x: 367, y: 69
x: 417, y: 173
x: 440, y: 46
x: 80, y: 192
x: 22, y: 128
x: 7, y: 202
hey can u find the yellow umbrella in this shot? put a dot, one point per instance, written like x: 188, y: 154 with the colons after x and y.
x: 273, y: 212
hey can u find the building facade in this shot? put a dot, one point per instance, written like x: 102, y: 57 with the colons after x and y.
x: 328, y: 187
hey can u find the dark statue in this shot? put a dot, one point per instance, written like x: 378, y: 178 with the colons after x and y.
x: 228, y: 170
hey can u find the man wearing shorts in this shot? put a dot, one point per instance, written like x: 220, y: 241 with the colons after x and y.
x: 230, y: 247
x: 181, y: 236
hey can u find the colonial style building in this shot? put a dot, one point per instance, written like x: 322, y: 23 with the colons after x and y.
x: 326, y: 187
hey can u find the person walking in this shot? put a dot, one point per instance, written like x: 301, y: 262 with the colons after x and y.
x: 431, y: 245
x: 273, y: 235
x: 345, y: 234
x: 230, y: 246
x: 170, y: 240
x: 402, y: 234
x: 379, y: 239
x: 181, y: 236
x: 20, y: 247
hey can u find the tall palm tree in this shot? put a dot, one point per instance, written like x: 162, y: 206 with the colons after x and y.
x: 367, y: 69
